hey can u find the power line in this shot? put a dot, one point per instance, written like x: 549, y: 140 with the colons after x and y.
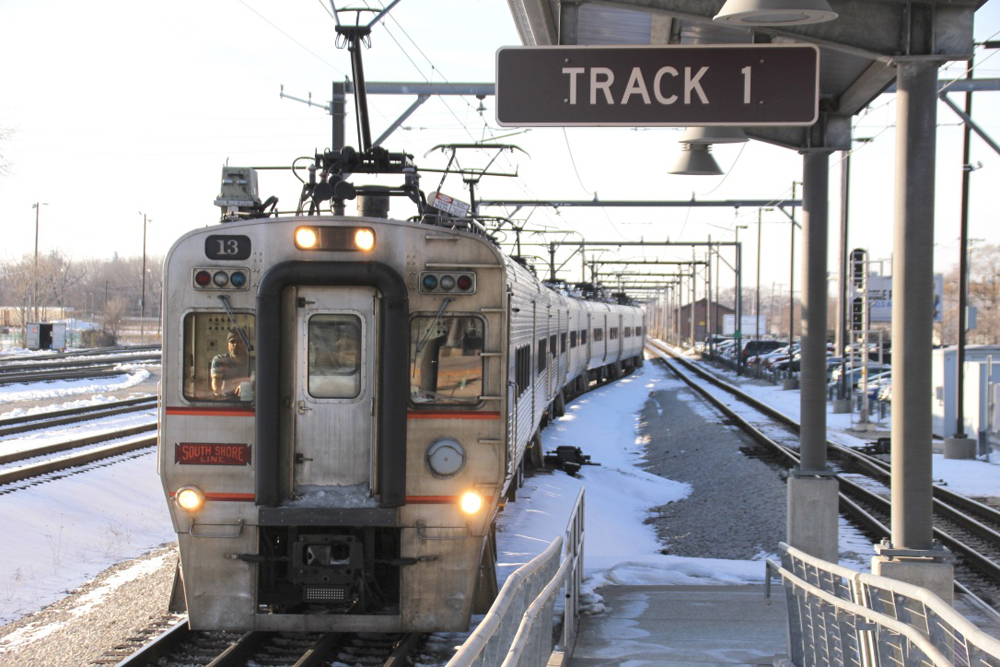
x: 297, y: 42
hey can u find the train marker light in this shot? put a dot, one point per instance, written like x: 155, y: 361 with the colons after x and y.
x: 220, y: 278
x: 202, y: 278
x: 189, y: 498
x: 464, y: 283
x: 238, y: 279
x: 305, y: 238
x: 470, y: 502
x: 364, y: 239
x: 430, y: 281
x: 448, y: 282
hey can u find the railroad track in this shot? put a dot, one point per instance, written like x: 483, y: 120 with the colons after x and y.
x: 80, y: 451
x: 68, y: 366
x: 970, y: 529
x: 180, y: 647
x: 34, y: 422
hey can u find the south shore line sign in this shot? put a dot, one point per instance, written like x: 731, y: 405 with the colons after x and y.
x: 735, y: 85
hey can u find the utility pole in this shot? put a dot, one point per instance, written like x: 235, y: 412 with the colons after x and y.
x: 791, y: 280
x: 756, y: 309
x: 34, y: 295
x: 142, y: 299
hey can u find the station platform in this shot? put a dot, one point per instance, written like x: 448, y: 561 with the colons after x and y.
x: 684, y: 625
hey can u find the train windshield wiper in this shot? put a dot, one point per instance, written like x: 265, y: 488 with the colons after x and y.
x: 224, y: 298
x: 437, y: 318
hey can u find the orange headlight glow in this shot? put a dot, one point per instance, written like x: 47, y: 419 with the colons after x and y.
x: 471, y: 502
x: 305, y: 238
x: 189, y: 498
x: 364, y: 239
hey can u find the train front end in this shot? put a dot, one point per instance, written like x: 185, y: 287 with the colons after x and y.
x: 331, y: 440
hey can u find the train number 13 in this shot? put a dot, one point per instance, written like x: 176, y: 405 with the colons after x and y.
x: 218, y: 246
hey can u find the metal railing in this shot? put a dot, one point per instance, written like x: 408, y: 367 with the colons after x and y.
x: 518, y: 629
x: 837, y: 616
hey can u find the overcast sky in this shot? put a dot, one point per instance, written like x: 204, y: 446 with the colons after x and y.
x: 121, y: 109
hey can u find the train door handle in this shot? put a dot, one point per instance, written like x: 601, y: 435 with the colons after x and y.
x: 303, y: 409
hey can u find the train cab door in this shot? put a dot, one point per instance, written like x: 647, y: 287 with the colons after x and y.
x: 334, y: 388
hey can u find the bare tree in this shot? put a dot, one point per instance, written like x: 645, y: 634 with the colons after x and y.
x: 6, y: 167
x: 114, y: 318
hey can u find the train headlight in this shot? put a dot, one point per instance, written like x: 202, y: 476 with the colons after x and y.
x: 306, y: 238
x: 470, y: 502
x: 364, y: 239
x: 445, y: 458
x: 189, y: 498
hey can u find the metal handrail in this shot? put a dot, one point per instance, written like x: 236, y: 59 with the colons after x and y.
x: 839, y: 616
x: 510, y: 633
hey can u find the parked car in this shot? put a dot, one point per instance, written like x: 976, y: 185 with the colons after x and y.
x: 755, y: 347
x: 854, y: 374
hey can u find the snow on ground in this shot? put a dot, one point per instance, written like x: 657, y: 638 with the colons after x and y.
x: 61, y: 534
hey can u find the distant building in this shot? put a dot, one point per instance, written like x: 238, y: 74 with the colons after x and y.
x: 701, y: 324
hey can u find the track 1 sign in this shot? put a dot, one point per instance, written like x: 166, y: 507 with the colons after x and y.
x: 735, y: 85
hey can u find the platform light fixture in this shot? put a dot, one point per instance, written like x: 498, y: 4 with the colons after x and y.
x: 749, y: 13
x: 696, y: 160
x: 714, y: 135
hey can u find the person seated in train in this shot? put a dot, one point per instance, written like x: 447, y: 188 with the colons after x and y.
x: 232, y: 368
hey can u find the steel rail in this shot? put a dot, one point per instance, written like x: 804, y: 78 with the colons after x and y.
x: 975, y: 559
x: 73, y: 460
x: 75, y: 444
x: 42, y: 420
x: 14, y: 367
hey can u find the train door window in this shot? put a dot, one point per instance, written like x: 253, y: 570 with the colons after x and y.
x: 446, y: 363
x: 334, y: 364
x: 628, y: 332
x: 552, y: 344
x: 613, y: 333
x: 572, y: 338
x: 598, y: 335
x: 583, y: 337
x: 542, y: 354
x: 562, y: 342
x: 219, y: 356
x: 638, y: 331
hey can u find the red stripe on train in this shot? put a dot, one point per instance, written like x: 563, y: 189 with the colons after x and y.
x: 212, y: 412
x: 451, y: 414
x: 431, y: 500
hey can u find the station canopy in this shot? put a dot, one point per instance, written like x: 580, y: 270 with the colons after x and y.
x: 859, y: 49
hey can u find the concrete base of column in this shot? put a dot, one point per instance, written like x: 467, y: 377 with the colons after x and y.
x: 960, y: 448
x: 841, y: 406
x: 790, y: 383
x: 936, y: 576
x: 813, y: 516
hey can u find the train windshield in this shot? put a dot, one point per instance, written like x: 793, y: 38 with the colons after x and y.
x: 445, y: 359
x: 334, y: 356
x: 219, y: 359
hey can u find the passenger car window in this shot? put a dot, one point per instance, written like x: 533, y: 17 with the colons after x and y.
x: 445, y: 359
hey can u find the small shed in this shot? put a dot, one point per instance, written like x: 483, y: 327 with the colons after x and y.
x: 46, y: 335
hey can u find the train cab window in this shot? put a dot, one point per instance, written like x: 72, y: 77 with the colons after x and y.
x: 446, y: 364
x: 334, y: 364
x: 219, y: 359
